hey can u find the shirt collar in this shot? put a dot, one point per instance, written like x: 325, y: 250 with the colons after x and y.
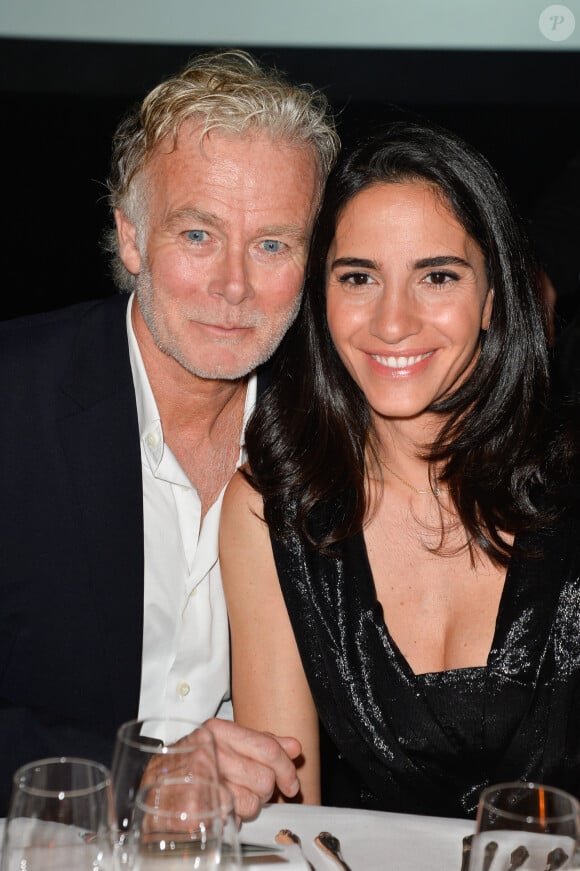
x: 147, y: 411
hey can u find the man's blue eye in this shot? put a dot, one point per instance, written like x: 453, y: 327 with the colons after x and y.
x: 272, y: 246
x: 197, y: 235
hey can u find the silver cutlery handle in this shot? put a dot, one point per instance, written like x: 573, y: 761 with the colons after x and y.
x: 330, y: 845
x: 518, y: 857
x: 286, y: 836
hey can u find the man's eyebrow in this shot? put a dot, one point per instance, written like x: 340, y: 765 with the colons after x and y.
x: 193, y: 217
x: 443, y: 260
x: 354, y: 262
x: 294, y: 231
x: 198, y: 218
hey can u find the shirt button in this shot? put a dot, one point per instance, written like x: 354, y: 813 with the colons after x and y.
x: 183, y: 688
x: 152, y: 440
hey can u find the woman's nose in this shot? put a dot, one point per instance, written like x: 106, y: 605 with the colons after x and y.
x: 396, y: 316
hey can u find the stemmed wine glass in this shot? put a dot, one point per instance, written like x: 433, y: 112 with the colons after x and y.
x: 184, y: 819
x: 61, y: 817
x: 525, y: 825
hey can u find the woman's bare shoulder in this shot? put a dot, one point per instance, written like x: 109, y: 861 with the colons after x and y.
x: 240, y: 495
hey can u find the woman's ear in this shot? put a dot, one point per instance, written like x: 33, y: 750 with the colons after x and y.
x: 487, y: 309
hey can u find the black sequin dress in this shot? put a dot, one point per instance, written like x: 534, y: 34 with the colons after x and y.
x: 429, y: 743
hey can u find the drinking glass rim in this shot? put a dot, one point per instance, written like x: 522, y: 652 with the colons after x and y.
x: 225, y: 807
x: 61, y: 794
x: 164, y: 749
x: 572, y: 814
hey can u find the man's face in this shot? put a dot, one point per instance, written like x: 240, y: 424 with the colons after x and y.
x: 221, y: 263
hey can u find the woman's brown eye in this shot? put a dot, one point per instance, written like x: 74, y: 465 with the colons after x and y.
x: 441, y: 277
x: 356, y: 278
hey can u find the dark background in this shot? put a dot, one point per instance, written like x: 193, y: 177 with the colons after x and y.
x: 61, y: 101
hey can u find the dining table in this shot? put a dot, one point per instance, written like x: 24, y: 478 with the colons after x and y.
x: 369, y: 840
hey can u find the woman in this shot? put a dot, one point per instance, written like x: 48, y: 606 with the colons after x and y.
x: 412, y: 600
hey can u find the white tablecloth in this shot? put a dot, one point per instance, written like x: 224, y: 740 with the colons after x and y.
x: 370, y: 841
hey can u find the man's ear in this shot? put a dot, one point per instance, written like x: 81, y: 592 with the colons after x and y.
x: 127, y: 236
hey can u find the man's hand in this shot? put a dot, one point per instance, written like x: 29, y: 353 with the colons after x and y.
x: 252, y: 764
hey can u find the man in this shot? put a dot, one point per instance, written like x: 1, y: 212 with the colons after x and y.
x: 123, y: 422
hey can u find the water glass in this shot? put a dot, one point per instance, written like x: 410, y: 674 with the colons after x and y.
x: 61, y: 817
x: 525, y: 825
x: 149, y: 750
x: 184, y: 820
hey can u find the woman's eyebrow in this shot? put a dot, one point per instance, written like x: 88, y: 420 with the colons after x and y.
x: 443, y: 260
x: 356, y: 262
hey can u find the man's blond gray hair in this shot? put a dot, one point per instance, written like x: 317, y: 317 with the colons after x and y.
x: 225, y: 90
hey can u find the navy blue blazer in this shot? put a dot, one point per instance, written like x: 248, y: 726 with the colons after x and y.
x: 71, y: 548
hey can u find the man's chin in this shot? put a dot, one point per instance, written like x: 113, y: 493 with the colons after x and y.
x: 219, y: 370
x: 221, y: 374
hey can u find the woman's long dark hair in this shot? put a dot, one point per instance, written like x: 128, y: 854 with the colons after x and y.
x: 312, y: 432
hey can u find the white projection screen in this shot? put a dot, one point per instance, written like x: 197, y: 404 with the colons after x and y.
x: 431, y: 24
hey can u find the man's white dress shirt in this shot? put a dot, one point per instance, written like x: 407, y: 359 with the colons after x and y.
x: 185, y: 668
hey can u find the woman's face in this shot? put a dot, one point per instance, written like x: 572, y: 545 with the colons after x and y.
x: 407, y: 296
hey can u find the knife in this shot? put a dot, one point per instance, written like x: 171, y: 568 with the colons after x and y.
x: 248, y: 848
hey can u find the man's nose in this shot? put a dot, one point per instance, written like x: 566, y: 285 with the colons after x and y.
x: 232, y: 278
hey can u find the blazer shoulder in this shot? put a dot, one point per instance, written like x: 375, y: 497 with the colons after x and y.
x: 52, y: 326
x: 70, y: 346
x: 51, y: 335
